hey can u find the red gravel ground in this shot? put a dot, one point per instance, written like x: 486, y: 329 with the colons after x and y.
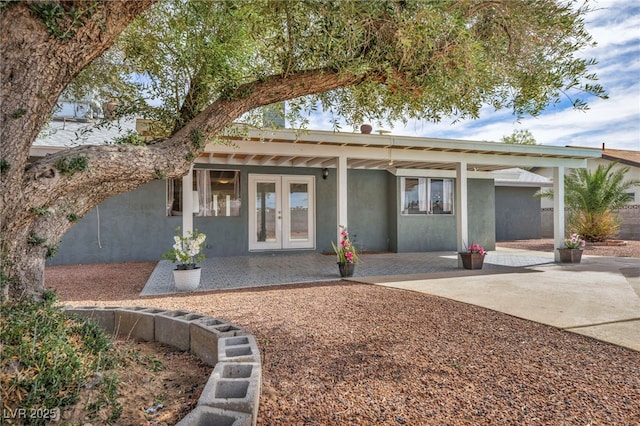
x: 343, y: 353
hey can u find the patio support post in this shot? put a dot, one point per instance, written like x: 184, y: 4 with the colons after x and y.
x: 187, y: 202
x: 462, y: 222
x: 558, y: 211
x: 341, y: 186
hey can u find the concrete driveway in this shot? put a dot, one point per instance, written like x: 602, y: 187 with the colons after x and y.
x: 599, y: 297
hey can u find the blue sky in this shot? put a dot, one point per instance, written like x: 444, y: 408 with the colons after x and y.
x: 615, y: 26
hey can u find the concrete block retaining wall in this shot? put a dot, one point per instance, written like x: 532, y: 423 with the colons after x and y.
x: 232, y: 394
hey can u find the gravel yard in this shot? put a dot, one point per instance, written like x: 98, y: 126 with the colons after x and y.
x: 628, y: 249
x: 345, y: 353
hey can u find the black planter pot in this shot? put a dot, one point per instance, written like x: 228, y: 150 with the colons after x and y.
x: 346, y: 269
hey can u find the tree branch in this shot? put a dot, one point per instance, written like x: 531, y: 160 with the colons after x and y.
x: 31, y: 84
x: 116, y: 169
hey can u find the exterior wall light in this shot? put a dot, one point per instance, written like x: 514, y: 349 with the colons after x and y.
x: 325, y: 173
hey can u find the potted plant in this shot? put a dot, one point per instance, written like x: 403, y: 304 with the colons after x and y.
x: 572, y: 253
x: 473, y: 257
x: 186, y: 253
x: 347, y: 254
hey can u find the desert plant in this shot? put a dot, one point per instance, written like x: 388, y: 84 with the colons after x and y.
x: 594, y: 227
x: 592, y: 199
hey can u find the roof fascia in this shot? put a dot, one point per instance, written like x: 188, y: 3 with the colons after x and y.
x: 438, y: 173
x: 511, y: 183
x: 381, y: 153
x: 319, y: 136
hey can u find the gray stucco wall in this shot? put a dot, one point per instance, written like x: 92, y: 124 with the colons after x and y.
x: 367, y: 209
x: 229, y: 236
x: 482, y: 217
x: 393, y: 210
x: 128, y: 227
x: 629, y: 222
x: 134, y: 226
x: 417, y: 233
x: 518, y: 215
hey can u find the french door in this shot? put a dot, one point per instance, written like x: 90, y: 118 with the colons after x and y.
x: 281, y: 212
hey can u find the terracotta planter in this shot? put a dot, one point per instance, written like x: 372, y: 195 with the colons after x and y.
x: 366, y: 129
x: 187, y: 279
x: 472, y: 260
x: 569, y: 255
x: 346, y: 269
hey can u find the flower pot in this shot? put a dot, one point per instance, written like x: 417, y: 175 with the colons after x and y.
x: 346, y: 269
x: 472, y: 260
x: 187, y: 279
x: 569, y: 255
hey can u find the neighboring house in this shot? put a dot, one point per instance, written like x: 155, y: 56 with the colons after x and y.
x: 75, y: 128
x: 278, y: 191
x: 518, y: 211
x: 629, y: 215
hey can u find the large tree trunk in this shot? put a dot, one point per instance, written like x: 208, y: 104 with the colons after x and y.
x: 40, y: 201
x: 37, y: 62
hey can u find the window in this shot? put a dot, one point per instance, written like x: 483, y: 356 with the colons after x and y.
x: 215, y: 193
x: 426, y: 196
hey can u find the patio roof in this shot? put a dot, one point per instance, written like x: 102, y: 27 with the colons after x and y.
x: 400, y: 155
x: 396, y: 154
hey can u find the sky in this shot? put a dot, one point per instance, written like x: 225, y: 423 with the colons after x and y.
x: 615, y: 26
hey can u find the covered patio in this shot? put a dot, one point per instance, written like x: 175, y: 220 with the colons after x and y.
x: 400, y: 156
x: 237, y: 272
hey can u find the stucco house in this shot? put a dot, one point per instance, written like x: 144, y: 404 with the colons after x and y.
x: 280, y: 190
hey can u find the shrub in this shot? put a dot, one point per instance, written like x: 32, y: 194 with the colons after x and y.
x: 593, y: 226
x: 46, y: 357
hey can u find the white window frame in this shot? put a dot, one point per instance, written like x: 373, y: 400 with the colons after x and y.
x: 198, y: 203
x: 424, y: 196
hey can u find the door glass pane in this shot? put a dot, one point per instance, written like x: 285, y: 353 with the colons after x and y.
x: 299, y: 211
x: 266, y: 211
